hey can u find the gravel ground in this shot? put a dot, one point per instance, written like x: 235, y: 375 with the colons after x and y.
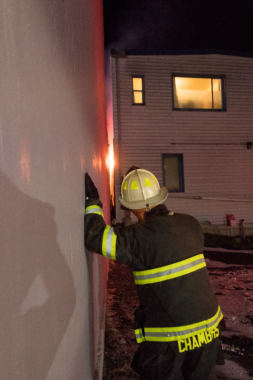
x: 233, y: 285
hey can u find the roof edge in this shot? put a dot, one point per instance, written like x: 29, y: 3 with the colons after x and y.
x: 126, y: 52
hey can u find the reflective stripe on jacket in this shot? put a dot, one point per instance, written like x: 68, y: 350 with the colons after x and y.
x: 169, y: 272
x: 109, y: 238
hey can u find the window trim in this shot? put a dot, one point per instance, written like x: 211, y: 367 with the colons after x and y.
x: 143, y: 90
x: 180, y: 171
x: 210, y: 76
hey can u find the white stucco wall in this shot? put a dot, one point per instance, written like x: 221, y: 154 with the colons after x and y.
x: 52, y: 130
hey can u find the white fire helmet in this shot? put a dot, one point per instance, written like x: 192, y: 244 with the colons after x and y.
x: 140, y: 189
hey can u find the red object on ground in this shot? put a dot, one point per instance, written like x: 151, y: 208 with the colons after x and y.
x: 231, y: 220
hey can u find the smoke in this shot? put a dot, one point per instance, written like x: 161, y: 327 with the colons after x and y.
x: 178, y: 24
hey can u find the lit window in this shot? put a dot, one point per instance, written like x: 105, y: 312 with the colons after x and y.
x: 138, y: 90
x: 198, y: 93
x: 173, y: 172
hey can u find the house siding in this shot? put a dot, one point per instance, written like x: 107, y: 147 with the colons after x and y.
x: 217, y: 163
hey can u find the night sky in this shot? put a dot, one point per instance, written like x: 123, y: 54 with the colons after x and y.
x: 179, y: 24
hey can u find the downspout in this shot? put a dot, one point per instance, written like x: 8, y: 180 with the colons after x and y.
x: 118, y: 169
x: 118, y: 114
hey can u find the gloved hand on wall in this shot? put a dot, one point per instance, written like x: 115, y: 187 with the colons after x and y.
x: 91, y: 191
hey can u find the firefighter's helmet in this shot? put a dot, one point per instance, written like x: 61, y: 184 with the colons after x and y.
x: 140, y: 189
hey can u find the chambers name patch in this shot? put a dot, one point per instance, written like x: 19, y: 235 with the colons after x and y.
x: 197, y: 340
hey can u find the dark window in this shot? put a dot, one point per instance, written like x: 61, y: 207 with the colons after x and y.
x: 173, y: 172
x: 198, y: 93
x: 138, y: 90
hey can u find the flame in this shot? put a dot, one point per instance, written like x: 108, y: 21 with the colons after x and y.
x: 110, y: 160
x: 110, y: 163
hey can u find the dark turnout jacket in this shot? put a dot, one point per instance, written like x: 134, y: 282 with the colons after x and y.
x: 165, y: 252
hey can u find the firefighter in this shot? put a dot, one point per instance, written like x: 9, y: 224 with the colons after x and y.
x: 177, y: 322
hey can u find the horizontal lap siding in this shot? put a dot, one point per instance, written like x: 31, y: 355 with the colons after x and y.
x: 216, y: 160
x: 213, y: 211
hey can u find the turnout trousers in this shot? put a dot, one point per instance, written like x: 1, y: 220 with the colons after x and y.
x: 163, y: 361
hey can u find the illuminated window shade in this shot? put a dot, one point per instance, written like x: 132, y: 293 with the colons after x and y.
x: 138, y: 90
x: 138, y: 97
x: 217, y: 93
x: 198, y: 93
x: 173, y: 173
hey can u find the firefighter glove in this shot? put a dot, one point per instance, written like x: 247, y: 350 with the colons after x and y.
x: 91, y: 191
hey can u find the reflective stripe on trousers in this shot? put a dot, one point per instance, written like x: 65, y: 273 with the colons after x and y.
x: 169, y: 334
x: 169, y: 272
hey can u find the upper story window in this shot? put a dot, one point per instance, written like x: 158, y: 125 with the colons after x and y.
x: 198, y: 93
x: 138, y: 90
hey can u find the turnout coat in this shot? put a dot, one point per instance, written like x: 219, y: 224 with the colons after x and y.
x: 165, y: 252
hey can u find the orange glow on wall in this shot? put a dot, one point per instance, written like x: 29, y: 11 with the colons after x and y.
x: 25, y: 164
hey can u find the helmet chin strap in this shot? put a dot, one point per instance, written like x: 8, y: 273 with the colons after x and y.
x: 148, y: 207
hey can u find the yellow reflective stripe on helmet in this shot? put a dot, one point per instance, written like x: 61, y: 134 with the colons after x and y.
x: 125, y: 185
x: 109, y: 243
x: 169, y: 334
x: 94, y: 209
x: 147, y: 182
x: 134, y: 185
x: 171, y: 271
